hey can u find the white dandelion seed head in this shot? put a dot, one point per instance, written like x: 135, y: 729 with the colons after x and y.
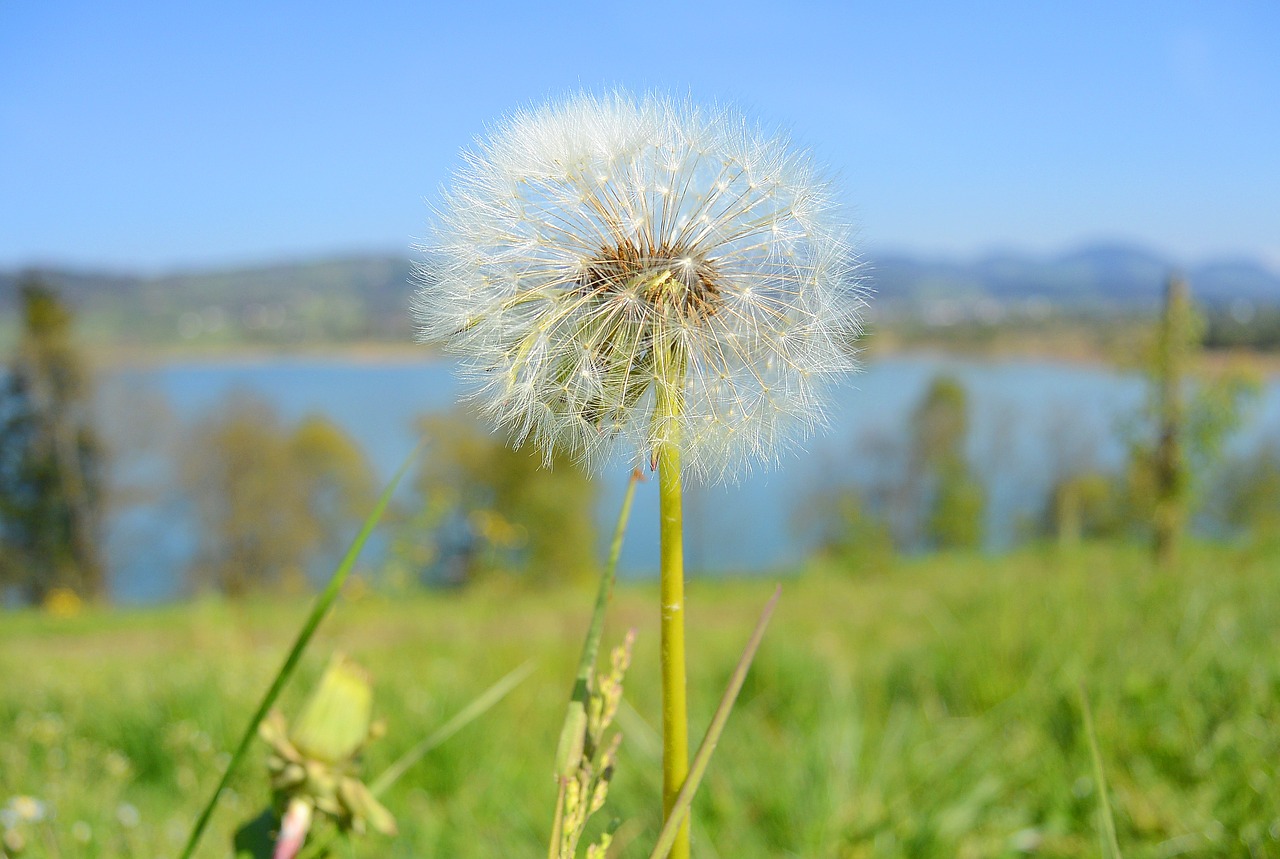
x: 601, y: 256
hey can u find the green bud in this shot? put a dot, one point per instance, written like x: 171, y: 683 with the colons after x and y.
x: 335, y: 722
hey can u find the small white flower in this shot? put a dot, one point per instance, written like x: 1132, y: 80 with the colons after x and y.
x: 618, y: 274
x: 23, y: 809
x: 128, y: 816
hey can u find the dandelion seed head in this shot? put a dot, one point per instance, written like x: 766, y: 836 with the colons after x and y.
x: 599, y: 255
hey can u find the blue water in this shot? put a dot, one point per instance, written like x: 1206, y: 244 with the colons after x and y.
x: 1030, y: 422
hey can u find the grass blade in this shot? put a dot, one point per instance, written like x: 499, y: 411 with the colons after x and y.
x: 1104, y: 799
x: 591, y: 646
x: 464, y: 717
x: 322, y: 605
x: 698, y: 767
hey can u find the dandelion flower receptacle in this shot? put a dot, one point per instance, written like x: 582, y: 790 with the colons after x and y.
x: 645, y: 278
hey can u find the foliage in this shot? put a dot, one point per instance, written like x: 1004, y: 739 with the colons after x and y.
x: 954, y: 498
x: 959, y: 505
x: 928, y: 496
x: 1088, y: 505
x: 1185, y: 426
x: 843, y: 529
x: 931, y: 711
x: 270, y: 500
x: 585, y: 776
x: 1248, y: 496
x: 1244, y: 327
x: 494, y: 509
x: 51, y: 459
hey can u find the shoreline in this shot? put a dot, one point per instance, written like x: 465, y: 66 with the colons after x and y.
x: 118, y: 358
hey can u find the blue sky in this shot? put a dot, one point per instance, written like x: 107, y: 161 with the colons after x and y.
x: 171, y: 134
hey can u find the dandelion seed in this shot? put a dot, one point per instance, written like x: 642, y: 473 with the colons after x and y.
x: 660, y: 252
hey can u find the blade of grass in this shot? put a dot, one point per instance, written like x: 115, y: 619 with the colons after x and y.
x: 322, y: 605
x: 698, y: 767
x: 591, y: 646
x: 464, y: 717
x: 1104, y: 799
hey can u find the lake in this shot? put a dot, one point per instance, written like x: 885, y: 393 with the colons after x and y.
x: 1030, y: 421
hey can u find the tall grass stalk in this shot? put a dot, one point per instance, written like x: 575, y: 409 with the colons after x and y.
x: 318, y: 611
x: 575, y: 720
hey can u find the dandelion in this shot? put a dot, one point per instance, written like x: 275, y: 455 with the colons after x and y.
x: 650, y: 279
x: 620, y: 275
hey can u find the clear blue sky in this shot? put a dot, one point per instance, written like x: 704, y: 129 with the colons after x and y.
x: 165, y: 134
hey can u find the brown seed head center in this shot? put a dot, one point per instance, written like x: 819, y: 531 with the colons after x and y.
x: 668, y: 278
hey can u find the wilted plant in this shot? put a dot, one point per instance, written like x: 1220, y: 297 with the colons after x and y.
x: 313, y: 764
x: 648, y: 278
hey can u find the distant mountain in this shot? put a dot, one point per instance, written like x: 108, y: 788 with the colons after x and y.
x: 356, y: 297
x: 366, y: 297
x: 1095, y: 275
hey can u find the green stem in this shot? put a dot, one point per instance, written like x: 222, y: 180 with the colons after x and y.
x: 667, y: 837
x: 675, y: 718
x: 557, y: 825
x: 322, y: 605
x: 591, y: 646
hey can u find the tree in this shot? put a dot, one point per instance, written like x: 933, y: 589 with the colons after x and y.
x: 1176, y: 340
x: 954, y: 499
x: 270, y: 500
x: 491, y: 508
x: 1085, y: 505
x: 1250, y: 495
x: 1190, y: 425
x: 51, y: 460
x: 844, y: 528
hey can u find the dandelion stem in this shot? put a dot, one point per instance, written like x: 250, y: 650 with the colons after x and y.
x: 718, y: 720
x: 675, y: 718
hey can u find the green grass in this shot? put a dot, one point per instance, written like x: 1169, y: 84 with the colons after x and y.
x: 930, y: 710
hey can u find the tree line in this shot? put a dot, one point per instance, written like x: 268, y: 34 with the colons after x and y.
x: 1176, y: 475
x: 274, y: 503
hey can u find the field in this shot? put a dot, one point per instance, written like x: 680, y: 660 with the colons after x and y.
x: 931, y: 709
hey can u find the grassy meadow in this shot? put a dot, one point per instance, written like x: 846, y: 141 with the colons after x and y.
x: 929, y: 709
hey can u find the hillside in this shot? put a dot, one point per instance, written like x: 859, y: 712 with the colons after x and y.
x: 364, y: 298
